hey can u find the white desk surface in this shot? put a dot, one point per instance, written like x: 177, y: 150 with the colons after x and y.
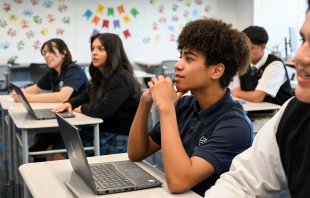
x: 23, y: 120
x: 46, y: 179
x: 261, y: 106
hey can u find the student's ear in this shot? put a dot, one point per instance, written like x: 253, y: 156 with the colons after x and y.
x: 64, y: 53
x: 218, y: 71
x: 263, y: 47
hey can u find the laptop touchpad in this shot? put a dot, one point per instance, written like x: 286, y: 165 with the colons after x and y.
x: 136, y: 172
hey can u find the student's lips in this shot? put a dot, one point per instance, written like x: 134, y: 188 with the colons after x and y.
x: 177, y: 76
x: 303, y: 78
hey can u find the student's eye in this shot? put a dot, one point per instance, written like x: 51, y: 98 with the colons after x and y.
x: 92, y: 48
x: 302, y: 40
x: 188, y: 59
x: 101, y: 49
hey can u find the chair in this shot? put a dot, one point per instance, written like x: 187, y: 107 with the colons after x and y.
x: 36, y: 71
x: 4, y: 69
x: 166, y: 68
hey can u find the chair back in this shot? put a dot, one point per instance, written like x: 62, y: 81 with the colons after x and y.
x: 4, y: 69
x: 37, y: 70
x: 166, y: 68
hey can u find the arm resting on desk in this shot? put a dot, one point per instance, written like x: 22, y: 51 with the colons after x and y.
x: 61, y: 96
x: 252, y: 96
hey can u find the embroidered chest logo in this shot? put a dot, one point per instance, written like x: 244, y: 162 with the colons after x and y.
x: 202, y: 140
x: 61, y: 83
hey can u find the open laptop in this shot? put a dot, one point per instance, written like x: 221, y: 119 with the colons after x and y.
x: 39, y: 114
x: 103, y: 178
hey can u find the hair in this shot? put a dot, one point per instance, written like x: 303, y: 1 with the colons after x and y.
x: 62, y: 47
x: 220, y: 43
x: 116, y: 60
x: 257, y: 35
x: 308, y: 5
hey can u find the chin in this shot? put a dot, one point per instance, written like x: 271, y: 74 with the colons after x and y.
x: 303, y: 94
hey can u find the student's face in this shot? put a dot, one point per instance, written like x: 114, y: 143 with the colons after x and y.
x: 257, y: 52
x: 302, y: 63
x: 191, y: 72
x: 53, y: 60
x: 99, y: 55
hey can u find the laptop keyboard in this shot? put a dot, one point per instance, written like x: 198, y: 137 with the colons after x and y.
x: 107, y: 176
x: 45, y: 113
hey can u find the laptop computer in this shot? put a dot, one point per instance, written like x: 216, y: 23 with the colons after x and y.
x: 103, y: 178
x: 39, y: 114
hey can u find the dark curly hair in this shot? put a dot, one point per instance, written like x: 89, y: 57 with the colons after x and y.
x: 257, y: 35
x: 220, y: 43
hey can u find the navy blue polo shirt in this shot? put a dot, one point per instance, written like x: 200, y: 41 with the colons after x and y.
x: 216, y: 134
x: 73, y: 76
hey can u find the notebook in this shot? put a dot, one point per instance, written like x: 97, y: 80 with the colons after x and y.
x: 103, y: 178
x: 39, y: 114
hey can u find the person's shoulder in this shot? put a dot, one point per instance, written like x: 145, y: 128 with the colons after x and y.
x: 185, y: 102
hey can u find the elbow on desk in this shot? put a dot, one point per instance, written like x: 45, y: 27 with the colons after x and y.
x: 134, y: 157
x: 177, y: 187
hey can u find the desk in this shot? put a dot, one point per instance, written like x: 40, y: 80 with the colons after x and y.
x: 26, y: 123
x: 290, y: 63
x: 46, y: 179
x: 260, y: 106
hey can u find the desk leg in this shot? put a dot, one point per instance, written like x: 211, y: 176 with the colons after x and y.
x: 96, y: 140
x: 4, y: 144
x: 25, y: 156
x: 15, y: 161
x: 10, y: 166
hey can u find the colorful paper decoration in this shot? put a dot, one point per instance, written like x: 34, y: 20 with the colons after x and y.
x: 152, y: 2
x: 110, y: 11
x: 20, y: 45
x: 3, y: 23
x: 155, y: 26
x: 5, y: 45
x: 11, y: 32
x: 18, y: 1
x: 146, y: 40
x: 126, y: 19
x: 48, y: 3
x: 162, y: 20
x: 94, y: 32
x: 105, y: 23
x: 198, y: 2
x: 157, y: 38
x: 30, y: 34
x: 13, y: 17
x: 44, y: 31
x: 34, y: 2
x: 175, y: 18
x: 24, y: 23
x: 66, y: 20
x: 134, y: 12
x: 175, y: 7
x: 60, y: 31
x: 6, y: 7
x: 27, y: 13
x: 62, y: 8
x: 88, y: 14
x: 161, y: 9
x: 95, y: 20
x: 185, y: 13
x: 171, y: 28
x: 172, y: 38
x: 116, y: 24
x: 188, y: 2
x: 50, y: 18
x: 36, y: 45
x: 37, y: 19
x: 126, y: 33
x: 100, y: 9
x: 61, y: 1
x: 208, y: 8
x: 120, y: 9
x: 195, y: 13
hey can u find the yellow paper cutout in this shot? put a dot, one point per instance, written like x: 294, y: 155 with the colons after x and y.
x: 126, y: 19
x: 100, y: 9
x: 44, y: 31
x: 13, y: 17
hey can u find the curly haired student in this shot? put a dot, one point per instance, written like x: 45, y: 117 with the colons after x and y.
x: 200, y: 134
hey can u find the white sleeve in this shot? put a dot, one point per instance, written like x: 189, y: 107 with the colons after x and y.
x: 258, y: 171
x: 272, y: 78
x: 235, y: 83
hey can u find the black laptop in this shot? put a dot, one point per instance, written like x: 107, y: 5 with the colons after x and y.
x: 103, y: 178
x: 39, y: 114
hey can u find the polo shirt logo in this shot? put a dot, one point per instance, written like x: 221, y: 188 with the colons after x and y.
x: 202, y: 140
x: 61, y: 83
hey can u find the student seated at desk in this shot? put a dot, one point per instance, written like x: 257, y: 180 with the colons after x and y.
x: 279, y: 157
x: 65, y: 79
x: 198, y: 134
x: 113, y: 95
x: 266, y: 79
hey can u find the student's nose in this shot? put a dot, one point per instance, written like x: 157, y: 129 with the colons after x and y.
x: 178, y: 65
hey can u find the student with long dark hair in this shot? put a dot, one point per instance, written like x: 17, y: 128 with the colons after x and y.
x: 64, y: 79
x: 113, y: 95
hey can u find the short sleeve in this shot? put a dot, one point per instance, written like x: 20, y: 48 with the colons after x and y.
x: 230, y: 137
x: 75, y: 77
